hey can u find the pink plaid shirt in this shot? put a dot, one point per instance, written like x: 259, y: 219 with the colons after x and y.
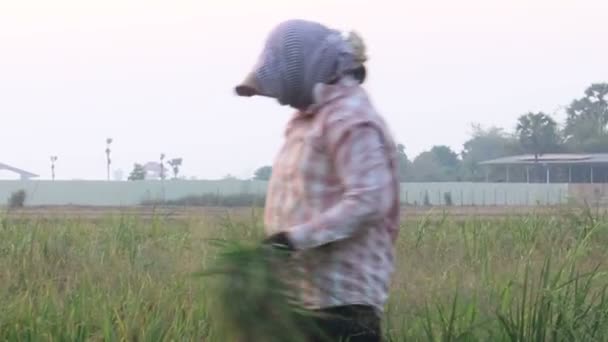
x: 334, y: 189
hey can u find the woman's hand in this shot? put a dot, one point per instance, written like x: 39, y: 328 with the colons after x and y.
x: 279, y: 241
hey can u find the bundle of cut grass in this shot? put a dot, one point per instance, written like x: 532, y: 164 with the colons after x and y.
x: 249, y: 299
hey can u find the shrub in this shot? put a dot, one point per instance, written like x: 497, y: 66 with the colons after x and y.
x: 447, y: 199
x: 17, y: 199
x: 213, y: 200
x: 426, y: 200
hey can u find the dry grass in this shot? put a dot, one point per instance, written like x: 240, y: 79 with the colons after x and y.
x: 121, y: 277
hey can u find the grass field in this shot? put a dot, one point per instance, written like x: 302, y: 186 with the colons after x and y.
x: 113, y: 276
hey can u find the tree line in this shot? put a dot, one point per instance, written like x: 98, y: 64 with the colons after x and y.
x: 585, y: 130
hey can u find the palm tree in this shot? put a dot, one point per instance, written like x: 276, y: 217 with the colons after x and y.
x: 175, y: 164
x: 162, y: 166
x: 53, y: 160
x: 108, y: 160
x: 537, y: 133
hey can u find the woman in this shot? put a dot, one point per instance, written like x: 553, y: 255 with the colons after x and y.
x: 334, y: 195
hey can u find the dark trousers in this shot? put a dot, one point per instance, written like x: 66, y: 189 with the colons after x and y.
x: 352, y: 323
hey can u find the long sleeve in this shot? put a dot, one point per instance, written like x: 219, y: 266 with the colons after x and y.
x: 334, y: 194
x: 363, y: 167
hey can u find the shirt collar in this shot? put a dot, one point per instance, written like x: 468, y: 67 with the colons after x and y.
x: 325, y: 93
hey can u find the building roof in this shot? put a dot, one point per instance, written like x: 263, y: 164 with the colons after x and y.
x: 551, y: 158
x: 22, y: 173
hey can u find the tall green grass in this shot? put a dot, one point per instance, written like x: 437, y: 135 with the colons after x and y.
x: 532, y: 278
x: 251, y: 274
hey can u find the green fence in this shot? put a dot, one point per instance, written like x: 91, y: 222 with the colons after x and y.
x: 483, y: 194
x: 102, y: 193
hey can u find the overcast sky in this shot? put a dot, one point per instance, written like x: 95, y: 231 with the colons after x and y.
x: 158, y: 76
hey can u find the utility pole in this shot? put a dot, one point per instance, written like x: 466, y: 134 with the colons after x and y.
x: 108, y: 160
x: 162, y: 174
x: 53, y: 160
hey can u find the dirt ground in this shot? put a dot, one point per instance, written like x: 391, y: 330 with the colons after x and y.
x: 86, y: 212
